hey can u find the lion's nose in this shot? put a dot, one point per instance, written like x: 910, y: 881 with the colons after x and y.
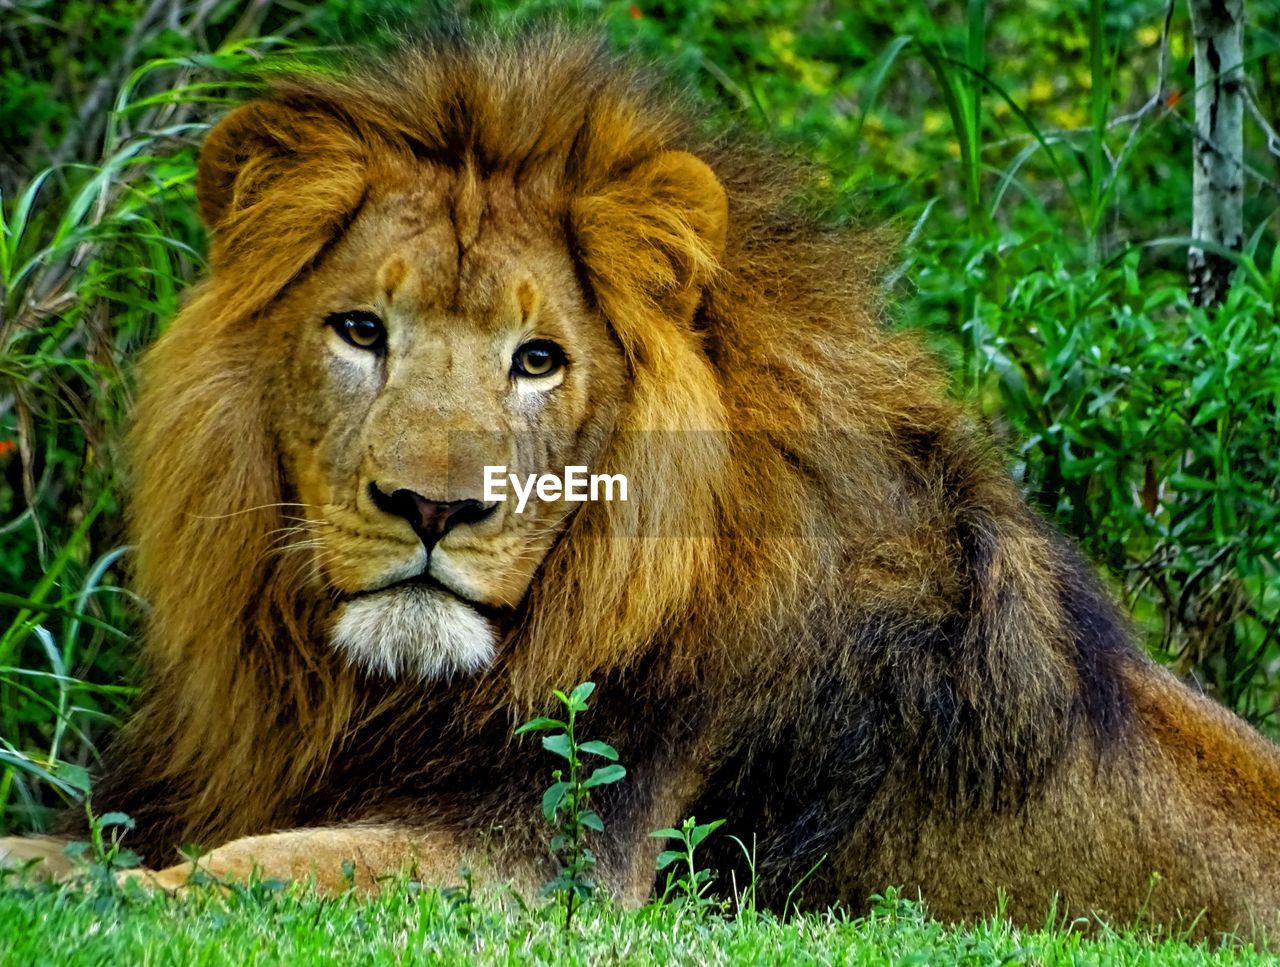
x: 430, y: 519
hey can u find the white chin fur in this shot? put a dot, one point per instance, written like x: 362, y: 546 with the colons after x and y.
x: 414, y: 631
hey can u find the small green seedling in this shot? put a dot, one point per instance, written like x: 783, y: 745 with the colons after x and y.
x: 566, y: 802
x: 683, y: 876
x: 103, y: 853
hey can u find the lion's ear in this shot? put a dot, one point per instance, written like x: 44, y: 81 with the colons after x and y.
x: 275, y: 181
x: 242, y: 154
x: 656, y: 233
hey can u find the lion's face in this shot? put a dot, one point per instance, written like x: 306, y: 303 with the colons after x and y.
x: 395, y: 304
x: 436, y: 337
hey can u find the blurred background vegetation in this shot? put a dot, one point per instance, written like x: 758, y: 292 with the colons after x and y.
x: 1035, y: 156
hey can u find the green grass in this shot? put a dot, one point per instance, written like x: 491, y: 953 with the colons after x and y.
x: 296, y: 926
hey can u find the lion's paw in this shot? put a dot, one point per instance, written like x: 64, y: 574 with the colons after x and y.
x: 174, y: 880
x: 41, y: 857
x: 171, y: 880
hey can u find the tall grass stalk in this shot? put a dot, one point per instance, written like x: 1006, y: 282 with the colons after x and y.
x: 93, y: 257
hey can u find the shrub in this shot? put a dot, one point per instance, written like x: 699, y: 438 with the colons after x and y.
x: 1148, y: 428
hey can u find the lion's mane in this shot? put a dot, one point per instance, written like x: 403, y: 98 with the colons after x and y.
x: 846, y: 587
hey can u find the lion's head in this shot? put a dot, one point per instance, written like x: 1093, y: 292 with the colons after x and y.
x: 403, y: 293
x: 444, y: 330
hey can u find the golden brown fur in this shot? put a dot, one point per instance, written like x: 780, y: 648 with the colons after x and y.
x: 827, y: 615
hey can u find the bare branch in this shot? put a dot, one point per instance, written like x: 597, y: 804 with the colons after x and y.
x: 1273, y: 139
x: 1157, y: 99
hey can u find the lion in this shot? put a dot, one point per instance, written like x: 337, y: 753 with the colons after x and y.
x: 825, y: 613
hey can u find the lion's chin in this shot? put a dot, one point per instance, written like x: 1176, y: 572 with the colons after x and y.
x: 413, y: 631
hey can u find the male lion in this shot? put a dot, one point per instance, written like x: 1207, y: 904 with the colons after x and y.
x: 824, y: 614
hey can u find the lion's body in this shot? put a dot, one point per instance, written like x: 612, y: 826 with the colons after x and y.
x: 832, y: 621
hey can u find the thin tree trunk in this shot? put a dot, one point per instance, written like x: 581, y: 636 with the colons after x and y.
x: 1218, y: 153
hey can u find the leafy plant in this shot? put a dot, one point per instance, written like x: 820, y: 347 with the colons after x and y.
x: 892, y: 909
x: 684, y: 878
x: 1147, y: 426
x: 566, y: 802
x: 104, y: 854
x: 462, y: 899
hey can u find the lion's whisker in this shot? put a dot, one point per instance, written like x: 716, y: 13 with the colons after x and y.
x: 246, y: 510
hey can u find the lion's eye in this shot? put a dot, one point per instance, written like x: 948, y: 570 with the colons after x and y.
x: 363, y: 330
x: 537, y: 359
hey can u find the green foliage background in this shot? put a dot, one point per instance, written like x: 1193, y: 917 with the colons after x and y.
x: 1045, y: 243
